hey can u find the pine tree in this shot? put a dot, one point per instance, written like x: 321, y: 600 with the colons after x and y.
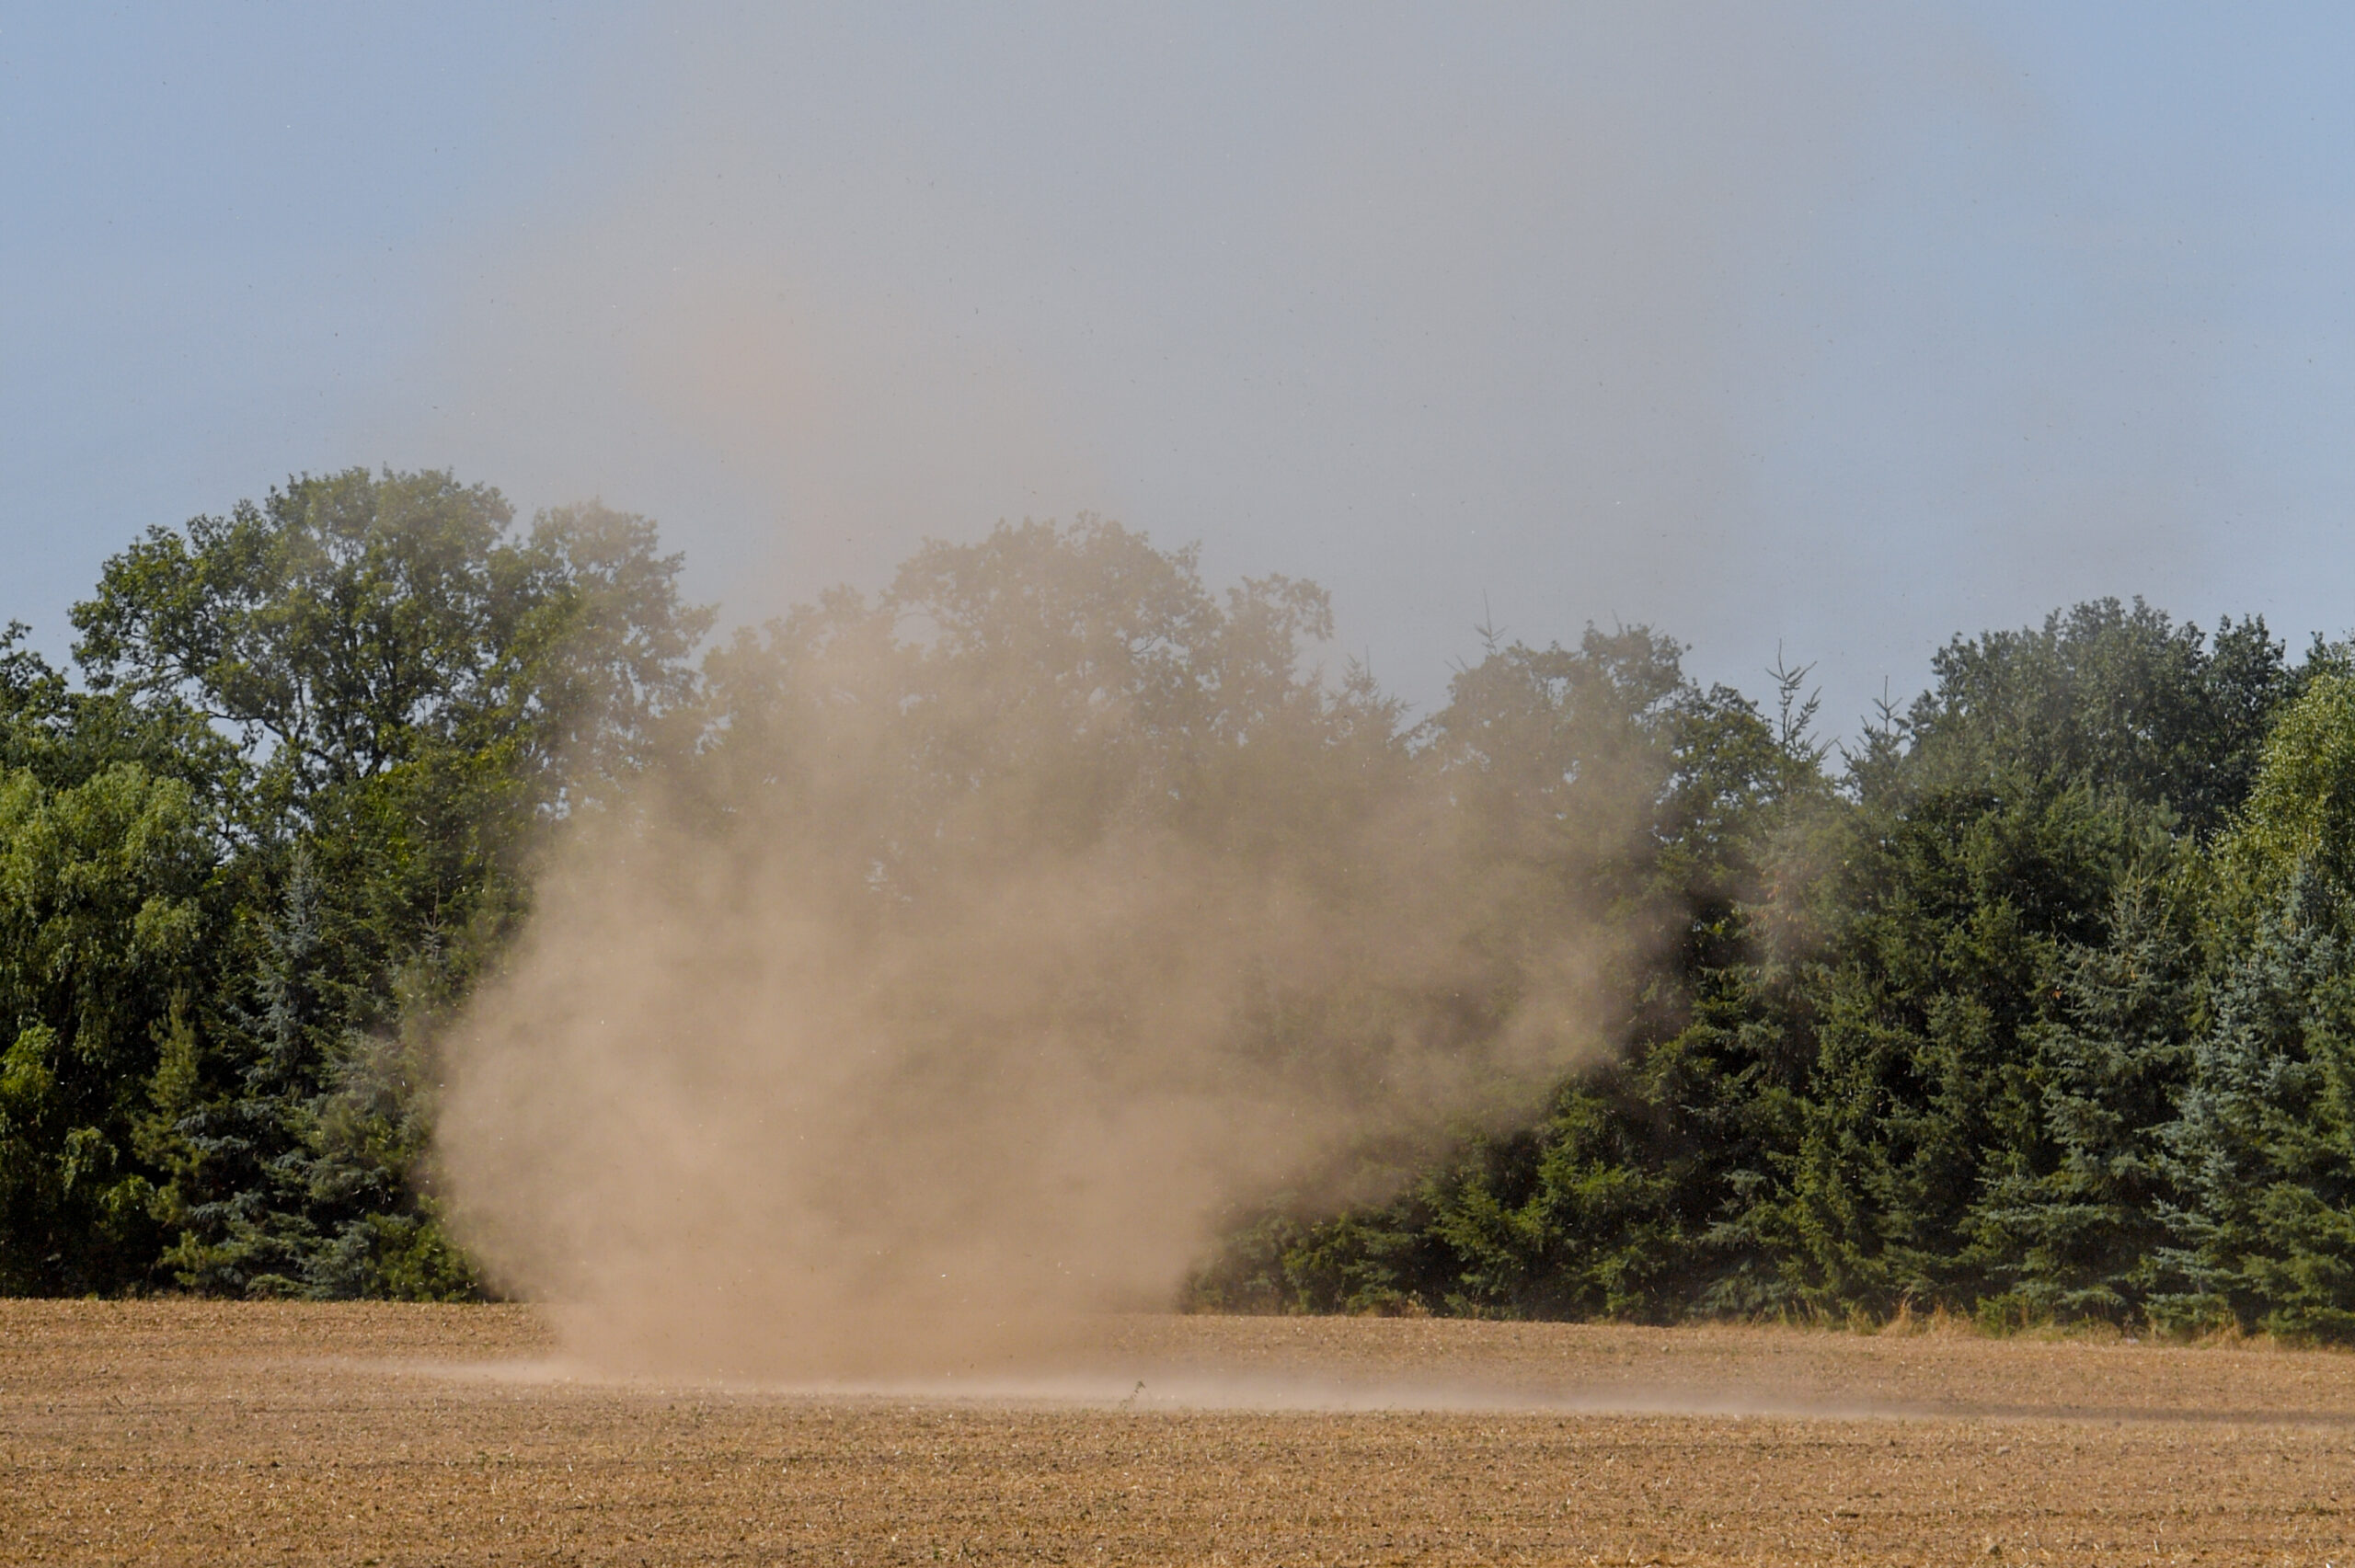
x: 2263, y: 1151
x: 2075, y: 1232
x: 238, y: 1155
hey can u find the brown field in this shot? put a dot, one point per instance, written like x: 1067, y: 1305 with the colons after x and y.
x: 207, y: 1434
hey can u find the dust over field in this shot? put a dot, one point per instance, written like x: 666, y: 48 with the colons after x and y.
x: 201, y: 1432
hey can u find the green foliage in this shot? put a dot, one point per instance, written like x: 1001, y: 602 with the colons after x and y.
x: 2037, y: 1003
x: 103, y: 931
x: 1969, y: 1027
x: 280, y: 828
x: 1600, y: 781
x: 1952, y: 963
x: 2300, y: 817
x: 2262, y: 1152
x: 2115, y: 697
x: 2075, y: 1219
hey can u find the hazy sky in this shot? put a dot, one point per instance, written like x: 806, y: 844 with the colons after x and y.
x: 1840, y: 327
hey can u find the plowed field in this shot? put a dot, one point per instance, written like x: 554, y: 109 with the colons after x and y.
x: 175, y: 1433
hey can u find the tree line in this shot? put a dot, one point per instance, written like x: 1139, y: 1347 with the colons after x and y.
x: 2032, y: 1003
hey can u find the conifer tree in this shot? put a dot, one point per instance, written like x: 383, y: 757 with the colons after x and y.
x: 2262, y: 1153
x: 2075, y: 1231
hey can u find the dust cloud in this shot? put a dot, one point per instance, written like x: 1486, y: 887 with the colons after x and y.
x: 996, y: 936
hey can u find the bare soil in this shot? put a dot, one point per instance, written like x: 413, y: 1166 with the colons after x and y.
x: 194, y: 1433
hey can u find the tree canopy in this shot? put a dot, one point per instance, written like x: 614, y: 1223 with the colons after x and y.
x: 278, y: 824
x: 2033, y: 1001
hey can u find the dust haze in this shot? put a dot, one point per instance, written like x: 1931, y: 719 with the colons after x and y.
x: 961, y: 989
x: 1768, y: 330
x: 1021, y: 921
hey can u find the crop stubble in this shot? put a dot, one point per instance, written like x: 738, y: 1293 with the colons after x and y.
x: 180, y: 1431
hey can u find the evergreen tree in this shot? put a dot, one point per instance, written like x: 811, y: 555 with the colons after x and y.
x: 2263, y: 1151
x: 2041, y: 1007
x: 2076, y: 1233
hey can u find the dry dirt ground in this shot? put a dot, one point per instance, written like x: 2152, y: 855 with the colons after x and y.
x: 182, y: 1433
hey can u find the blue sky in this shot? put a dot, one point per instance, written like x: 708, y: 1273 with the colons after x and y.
x: 1838, y: 330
